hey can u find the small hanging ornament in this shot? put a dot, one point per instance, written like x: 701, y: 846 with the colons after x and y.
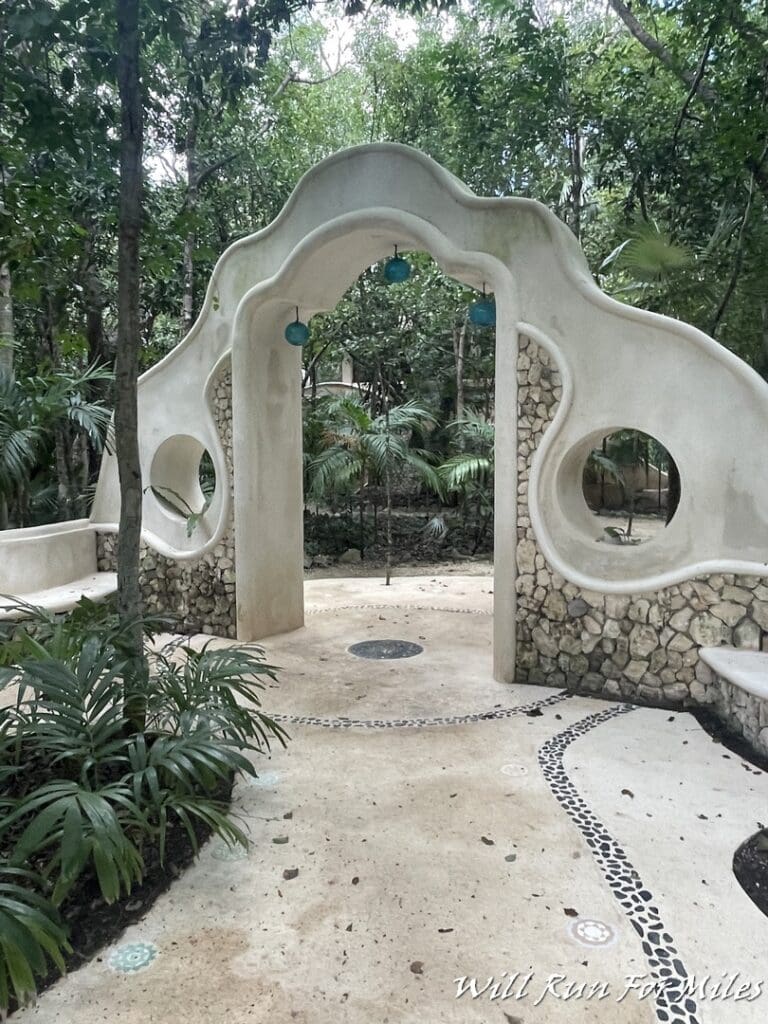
x: 297, y: 333
x: 397, y: 269
x: 483, y: 313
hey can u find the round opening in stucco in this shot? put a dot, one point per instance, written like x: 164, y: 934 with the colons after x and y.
x: 182, y: 477
x: 631, y: 484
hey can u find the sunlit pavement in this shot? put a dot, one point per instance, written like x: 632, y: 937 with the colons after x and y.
x: 573, y: 856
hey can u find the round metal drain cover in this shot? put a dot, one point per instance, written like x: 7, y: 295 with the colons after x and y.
x: 385, y: 649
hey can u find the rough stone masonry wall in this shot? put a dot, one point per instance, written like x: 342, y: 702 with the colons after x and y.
x: 200, y: 594
x: 644, y: 647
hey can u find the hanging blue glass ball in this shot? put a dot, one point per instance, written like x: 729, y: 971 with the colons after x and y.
x: 297, y: 333
x: 483, y: 314
x: 396, y: 270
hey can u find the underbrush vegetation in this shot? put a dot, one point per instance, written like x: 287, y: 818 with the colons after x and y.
x: 88, y: 795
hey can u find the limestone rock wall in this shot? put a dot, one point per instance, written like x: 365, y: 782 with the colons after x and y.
x: 641, y: 648
x: 742, y: 712
x: 199, y: 594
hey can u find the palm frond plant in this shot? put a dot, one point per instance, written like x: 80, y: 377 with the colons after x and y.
x: 469, y: 472
x: 32, y: 936
x: 360, y: 450
x: 87, y: 794
x: 20, y: 439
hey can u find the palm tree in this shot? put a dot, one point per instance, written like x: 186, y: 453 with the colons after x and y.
x: 469, y: 472
x: 362, y: 450
x: 72, y: 420
x: 49, y: 416
x: 19, y: 443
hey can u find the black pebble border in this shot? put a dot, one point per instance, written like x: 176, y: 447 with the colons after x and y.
x: 393, y: 608
x: 420, y: 723
x: 673, y: 1005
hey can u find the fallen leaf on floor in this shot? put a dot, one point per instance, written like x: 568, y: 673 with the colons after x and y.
x: 511, y: 857
x: 444, y: 931
x: 570, y: 912
x: 487, y: 841
x: 628, y: 792
x: 290, y: 873
x: 355, y: 880
x: 417, y: 967
x: 288, y: 815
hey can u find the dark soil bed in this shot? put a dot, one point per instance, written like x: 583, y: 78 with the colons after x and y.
x: 750, y: 865
x: 94, y: 924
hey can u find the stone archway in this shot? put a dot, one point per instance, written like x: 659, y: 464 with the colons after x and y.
x: 267, y: 412
x: 619, y: 367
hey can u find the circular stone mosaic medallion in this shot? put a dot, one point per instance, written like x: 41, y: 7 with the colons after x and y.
x: 592, y: 933
x: 223, y: 851
x: 379, y: 650
x: 264, y: 780
x: 132, y: 957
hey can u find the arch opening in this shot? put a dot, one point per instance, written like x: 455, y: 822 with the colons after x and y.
x: 267, y: 409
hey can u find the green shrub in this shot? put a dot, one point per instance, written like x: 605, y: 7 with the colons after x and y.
x: 84, y: 790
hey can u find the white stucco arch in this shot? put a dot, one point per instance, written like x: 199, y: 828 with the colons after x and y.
x: 621, y: 367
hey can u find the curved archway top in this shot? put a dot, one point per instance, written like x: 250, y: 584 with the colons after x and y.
x: 621, y: 367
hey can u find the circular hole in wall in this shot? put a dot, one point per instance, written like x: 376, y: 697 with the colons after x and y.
x: 632, y: 485
x: 182, y: 477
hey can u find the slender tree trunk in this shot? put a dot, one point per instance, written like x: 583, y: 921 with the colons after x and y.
x: 188, y: 299
x: 459, y: 348
x: 388, y: 486
x: 361, y: 521
x: 7, y: 335
x: 129, y: 341
x: 577, y: 180
x: 95, y: 302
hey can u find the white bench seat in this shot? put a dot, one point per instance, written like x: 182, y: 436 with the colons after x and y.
x: 738, y: 691
x: 95, y: 586
x: 746, y: 669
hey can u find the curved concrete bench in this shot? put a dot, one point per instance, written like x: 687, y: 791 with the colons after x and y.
x: 52, y: 566
x: 739, y: 691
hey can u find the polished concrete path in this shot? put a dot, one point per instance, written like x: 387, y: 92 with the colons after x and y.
x: 573, y: 856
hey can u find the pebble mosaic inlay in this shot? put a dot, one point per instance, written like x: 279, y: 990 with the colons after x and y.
x: 672, y: 1005
x: 589, y: 932
x: 264, y: 780
x: 385, y: 650
x: 420, y: 723
x: 132, y: 957
x: 223, y: 851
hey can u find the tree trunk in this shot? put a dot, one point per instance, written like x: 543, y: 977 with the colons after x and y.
x: 7, y: 336
x: 459, y: 348
x: 188, y: 299
x: 128, y: 344
x: 388, y: 486
x: 577, y: 180
x: 361, y: 520
x: 95, y: 302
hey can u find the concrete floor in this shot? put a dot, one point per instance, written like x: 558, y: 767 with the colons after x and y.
x: 582, y: 844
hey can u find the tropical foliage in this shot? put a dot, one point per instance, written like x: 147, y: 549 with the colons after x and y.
x: 84, y: 792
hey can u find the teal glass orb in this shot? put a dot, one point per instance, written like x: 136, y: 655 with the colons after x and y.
x: 397, y: 269
x: 297, y: 333
x: 483, y: 314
